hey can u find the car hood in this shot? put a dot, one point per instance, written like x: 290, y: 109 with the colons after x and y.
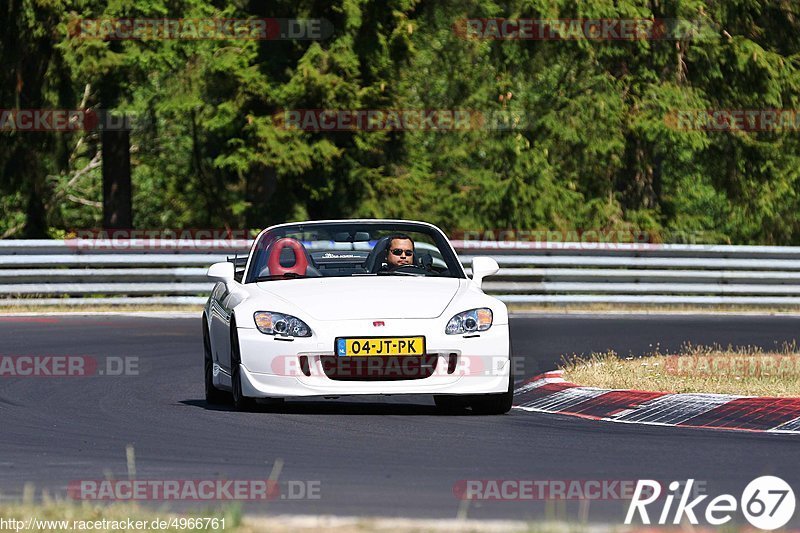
x: 365, y: 297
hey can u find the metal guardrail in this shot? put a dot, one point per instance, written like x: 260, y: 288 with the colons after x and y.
x: 86, y: 273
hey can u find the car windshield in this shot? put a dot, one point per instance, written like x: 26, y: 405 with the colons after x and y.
x: 337, y: 249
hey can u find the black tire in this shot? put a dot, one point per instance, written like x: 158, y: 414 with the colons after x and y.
x: 214, y: 396
x: 270, y: 403
x: 451, y: 405
x: 495, y: 404
x: 240, y: 401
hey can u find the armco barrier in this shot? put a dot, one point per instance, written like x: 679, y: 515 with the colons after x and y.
x: 172, y: 272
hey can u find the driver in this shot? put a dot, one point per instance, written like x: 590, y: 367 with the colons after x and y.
x: 400, y: 252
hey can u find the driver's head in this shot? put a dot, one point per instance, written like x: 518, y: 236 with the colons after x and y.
x: 400, y: 251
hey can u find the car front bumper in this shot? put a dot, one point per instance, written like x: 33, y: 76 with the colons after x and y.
x: 464, y: 364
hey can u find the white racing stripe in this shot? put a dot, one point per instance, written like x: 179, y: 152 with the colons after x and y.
x: 674, y: 408
x: 561, y: 400
x: 790, y: 426
x: 667, y: 410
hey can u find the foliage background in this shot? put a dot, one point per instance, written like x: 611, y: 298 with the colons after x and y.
x: 597, y: 154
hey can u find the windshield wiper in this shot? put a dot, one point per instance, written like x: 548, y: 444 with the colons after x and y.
x: 287, y: 275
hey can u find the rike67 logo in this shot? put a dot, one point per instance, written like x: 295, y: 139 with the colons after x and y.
x: 768, y: 502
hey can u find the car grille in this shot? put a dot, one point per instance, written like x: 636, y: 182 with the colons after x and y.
x: 379, y: 368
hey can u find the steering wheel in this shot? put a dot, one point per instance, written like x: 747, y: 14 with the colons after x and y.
x: 300, y: 261
x: 409, y: 270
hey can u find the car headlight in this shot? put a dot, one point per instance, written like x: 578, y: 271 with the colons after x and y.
x: 281, y: 324
x: 470, y: 321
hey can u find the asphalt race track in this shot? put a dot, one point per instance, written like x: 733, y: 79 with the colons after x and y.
x: 371, y: 456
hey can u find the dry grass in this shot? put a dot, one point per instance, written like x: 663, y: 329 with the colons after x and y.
x: 745, y: 371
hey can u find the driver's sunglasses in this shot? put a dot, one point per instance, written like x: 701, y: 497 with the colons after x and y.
x: 399, y: 251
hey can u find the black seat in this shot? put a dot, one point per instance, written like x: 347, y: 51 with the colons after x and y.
x: 423, y: 260
x: 376, y: 257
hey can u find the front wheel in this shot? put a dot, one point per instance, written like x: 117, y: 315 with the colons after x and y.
x: 495, y: 404
x: 214, y: 396
x: 240, y: 401
x: 451, y: 405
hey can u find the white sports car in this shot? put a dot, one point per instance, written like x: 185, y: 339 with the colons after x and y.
x: 356, y: 307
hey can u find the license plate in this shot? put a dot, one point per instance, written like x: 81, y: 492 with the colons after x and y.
x: 366, y: 346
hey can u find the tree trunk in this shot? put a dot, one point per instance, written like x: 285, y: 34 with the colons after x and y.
x: 117, y: 203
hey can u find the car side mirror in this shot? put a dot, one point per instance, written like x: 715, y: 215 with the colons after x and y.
x: 482, y: 267
x: 221, y: 272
